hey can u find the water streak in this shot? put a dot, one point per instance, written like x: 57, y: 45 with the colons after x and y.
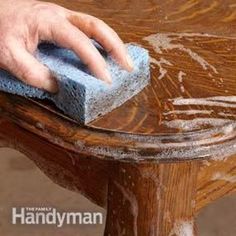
x: 220, y: 101
x: 164, y: 42
x: 130, y: 197
x: 182, y: 228
x: 198, y: 123
x: 224, y: 176
x: 159, y: 63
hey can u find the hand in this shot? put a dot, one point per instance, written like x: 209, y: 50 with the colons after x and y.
x: 25, y: 23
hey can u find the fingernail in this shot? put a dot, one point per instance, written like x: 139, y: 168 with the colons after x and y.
x: 107, y: 76
x: 130, y: 63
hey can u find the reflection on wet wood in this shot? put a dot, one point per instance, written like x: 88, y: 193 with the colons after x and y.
x: 184, y: 65
x: 177, y: 136
x: 192, y: 89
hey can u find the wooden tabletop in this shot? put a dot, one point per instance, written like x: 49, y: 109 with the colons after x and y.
x: 188, y: 111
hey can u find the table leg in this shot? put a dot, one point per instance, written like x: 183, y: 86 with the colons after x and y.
x: 151, y: 199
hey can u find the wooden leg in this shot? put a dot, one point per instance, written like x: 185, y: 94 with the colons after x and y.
x: 77, y: 172
x: 151, y: 199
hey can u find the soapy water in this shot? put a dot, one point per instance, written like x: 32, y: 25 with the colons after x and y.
x: 164, y: 41
x: 218, y: 101
x: 217, y: 143
x: 196, y: 123
x: 188, y: 112
x: 159, y: 63
x: 227, y: 114
x: 224, y: 176
x: 161, y: 42
x: 181, y: 76
x: 182, y: 228
x: 130, y: 197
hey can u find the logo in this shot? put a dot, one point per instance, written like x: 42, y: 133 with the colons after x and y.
x: 51, y: 216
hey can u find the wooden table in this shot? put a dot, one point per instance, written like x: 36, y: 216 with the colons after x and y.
x: 167, y: 153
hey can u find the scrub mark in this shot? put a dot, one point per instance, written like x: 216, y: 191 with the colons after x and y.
x: 180, y: 79
x: 224, y: 176
x: 164, y: 42
x: 187, y: 112
x: 130, y: 197
x: 220, y: 101
x: 159, y: 63
x: 182, y: 228
x: 189, y: 125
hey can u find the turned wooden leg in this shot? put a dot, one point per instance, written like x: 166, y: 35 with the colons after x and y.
x: 151, y: 199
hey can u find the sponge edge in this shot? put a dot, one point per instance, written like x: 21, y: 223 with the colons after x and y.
x: 81, y: 96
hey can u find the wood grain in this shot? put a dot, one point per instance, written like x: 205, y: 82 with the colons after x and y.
x: 215, y: 180
x: 172, y: 146
x: 193, y: 51
x: 78, y: 173
x: 145, y: 199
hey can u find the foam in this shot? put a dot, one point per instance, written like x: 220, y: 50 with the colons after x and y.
x: 183, y: 228
x: 181, y: 76
x: 81, y: 96
x: 224, y: 176
x: 159, y: 63
x: 189, y: 125
x: 220, y: 101
x: 165, y: 41
x: 188, y: 112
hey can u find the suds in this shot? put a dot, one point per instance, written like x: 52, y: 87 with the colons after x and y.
x: 182, y: 88
x: 198, y: 123
x: 224, y: 99
x: 164, y: 42
x: 130, y: 197
x: 224, y: 176
x: 228, y: 129
x: 226, y: 114
x: 181, y: 79
x: 189, y: 125
x: 187, y: 112
x: 220, y: 101
x: 159, y: 63
x: 181, y: 76
x: 182, y: 228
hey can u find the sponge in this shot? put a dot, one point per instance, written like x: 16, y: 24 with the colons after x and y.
x: 81, y: 96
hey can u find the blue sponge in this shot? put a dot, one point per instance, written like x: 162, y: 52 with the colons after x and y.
x: 81, y: 96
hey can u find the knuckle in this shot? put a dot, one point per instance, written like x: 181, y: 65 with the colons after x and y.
x: 42, y: 6
x: 50, y: 9
x: 47, y: 11
x: 100, y: 22
x: 96, y: 23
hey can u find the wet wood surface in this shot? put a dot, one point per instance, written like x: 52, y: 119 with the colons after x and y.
x: 193, y: 89
x: 141, y: 198
x: 176, y: 139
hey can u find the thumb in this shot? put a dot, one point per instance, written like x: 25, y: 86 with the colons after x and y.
x: 29, y: 70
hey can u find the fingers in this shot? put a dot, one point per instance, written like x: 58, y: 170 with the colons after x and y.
x: 68, y: 36
x: 105, y: 35
x: 25, y: 66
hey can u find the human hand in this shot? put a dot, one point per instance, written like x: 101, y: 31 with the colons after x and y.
x: 26, y: 23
